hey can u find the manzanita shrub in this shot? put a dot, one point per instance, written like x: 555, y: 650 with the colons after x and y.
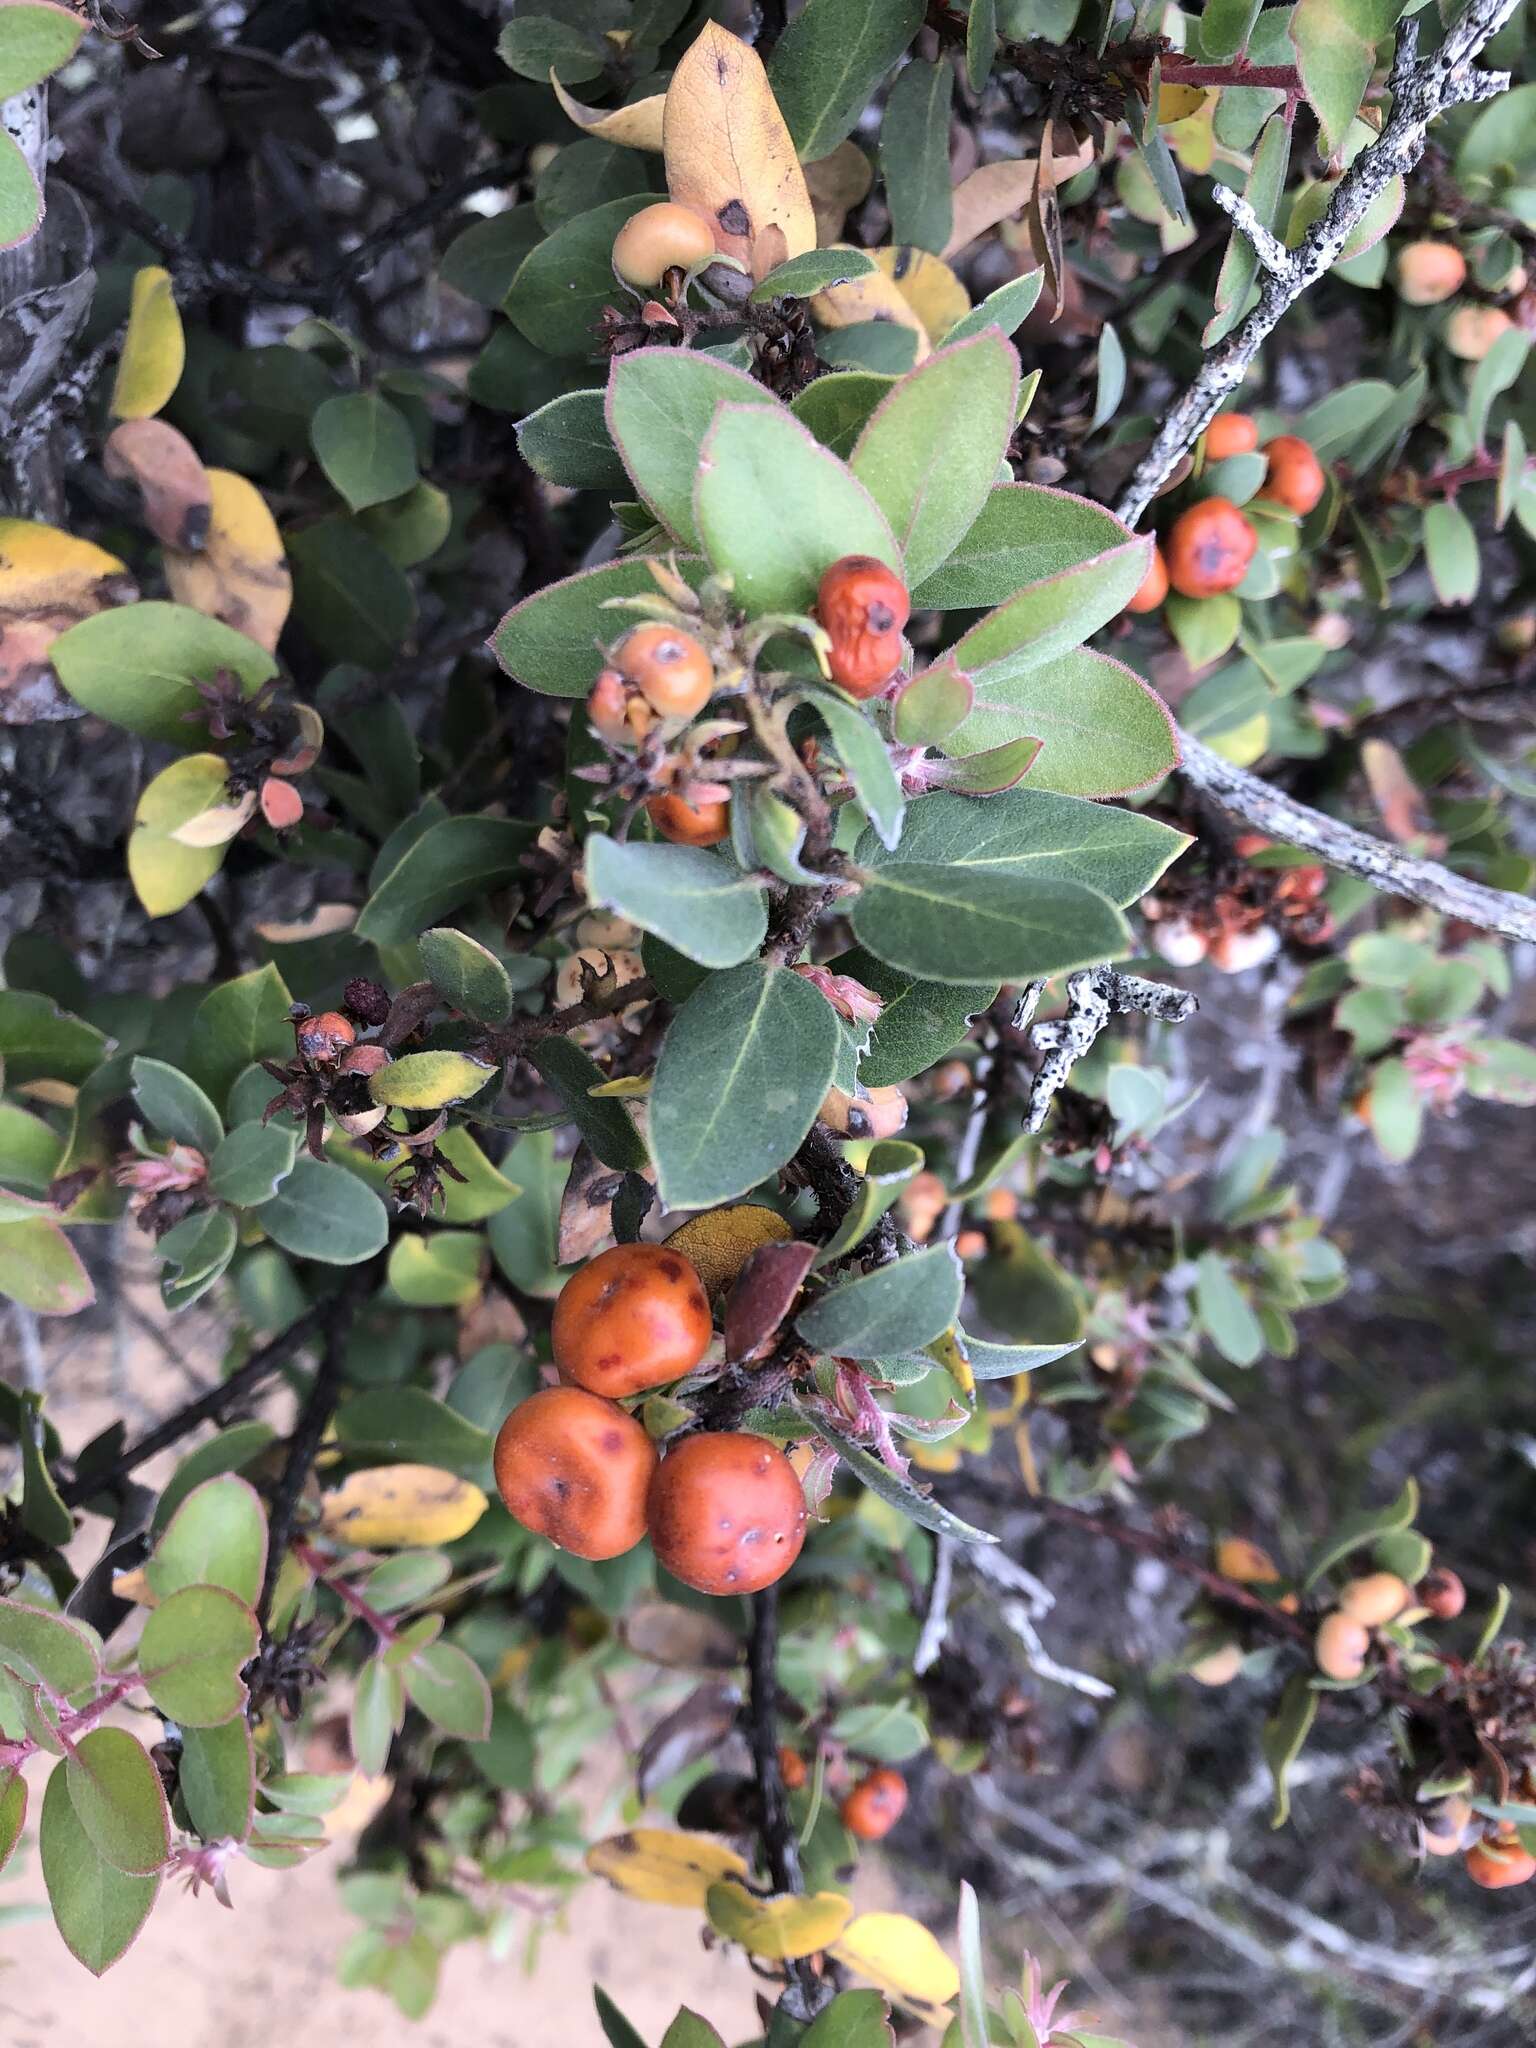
x: 652, y: 1104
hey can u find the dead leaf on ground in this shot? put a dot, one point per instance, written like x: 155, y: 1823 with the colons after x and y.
x: 173, y: 484
x: 729, y: 155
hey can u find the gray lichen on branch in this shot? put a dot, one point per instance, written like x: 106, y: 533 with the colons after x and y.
x: 1093, y: 997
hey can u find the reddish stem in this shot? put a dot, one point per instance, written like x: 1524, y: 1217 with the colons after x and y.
x: 71, y: 1726
x: 1279, y: 77
x: 313, y: 1561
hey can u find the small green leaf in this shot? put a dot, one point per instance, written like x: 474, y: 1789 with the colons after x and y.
x: 602, y: 1120
x: 919, y: 1022
x: 237, y: 1023
x: 659, y: 407
x: 43, y: 1513
x: 563, y: 284
x: 45, y: 1649
x: 617, y: 2031
x: 191, y: 1653
x: 410, y: 1423
x: 99, y: 1909
x: 803, y: 276
x: 1105, y: 732
x: 1006, y: 309
x: 456, y: 860
x: 829, y: 61
x: 1229, y: 1321
x: 1451, y: 552
x: 450, y: 1689
x: 378, y: 1708
x: 35, y: 39
x: 1360, y: 1529
x: 138, y: 666
x: 41, y: 1042
x: 323, y: 1212
x: 230, y: 1451
x: 744, y: 1067
x: 442, y: 1270
x: 1007, y: 1361
x: 940, y: 923
x: 13, y: 1813
x: 119, y: 1801
x: 350, y: 596
x: 889, y: 1486
x: 174, y: 1106
x: 365, y: 446
x: 914, y: 156
x: 540, y: 44
x: 216, y: 1537
x: 217, y: 1779
x: 691, y: 898
x: 567, y: 442
x: 553, y: 641
x: 1336, y: 43
x: 1285, y: 1735
x: 897, y: 1308
x: 429, y: 1080
x: 250, y: 1165
x: 197, y: 1253
x: 865, y: 759
x: 889, y: 1166
x: 1024, y: 540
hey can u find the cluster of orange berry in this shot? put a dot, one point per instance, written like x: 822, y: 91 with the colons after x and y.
x: 1209, y: 546
x: 659, y: 674
x: 725, y: 1510
x: 869, y: 1809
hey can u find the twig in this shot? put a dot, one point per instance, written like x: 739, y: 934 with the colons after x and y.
x: 1093, y: 997
x: 1271, y: 252
x: 936, y: 1617
x: 314, y: 1419
x: 807, y: 1993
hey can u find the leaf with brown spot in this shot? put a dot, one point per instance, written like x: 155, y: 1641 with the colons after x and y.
x: 929, y: 287
x: 241, y: 575
x: 48, y: 582
x: 173, y: 484
x: 729, y: 155
x: 769, y: 1285
x: 875, y: 296
x: 1000, y: 191
x: 586, y: 1207
x: 637, y: 126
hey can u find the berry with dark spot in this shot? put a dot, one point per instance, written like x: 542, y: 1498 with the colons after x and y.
x: 1209, y: 548
x: 322, y: 1040
x: 875, y: 1805
x: 575, y: 1468
x: 863, y: 605
x: 726, y: 1512
x: 668, y: 667
x: 636, y: 1316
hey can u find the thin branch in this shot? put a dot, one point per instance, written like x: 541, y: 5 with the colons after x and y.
x: 936, y: 1617
x: 1093, y: 997
x: 806, y: 1993
x: 309, y: 1432
x: 1271, y: 252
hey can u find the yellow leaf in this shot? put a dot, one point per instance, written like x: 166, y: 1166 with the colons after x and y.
x: 944, y: 1457
x: 904, y: 1960
x: 729, y: 155
x: 871, y: 297
x: 664, y: 1866
x: 1000, y: 191
x: 241, y: 574
x: 165, y: 873
x: 43, y: 570
x: 928, y: 285
x: 1243, y: 744
x: 1193, y: 140
x: 836, y: 183
x: 389, y: 1507
x: 633, y: 127
x: 133, y: 1586
x: 429, y: 1080
x: 154, y: 348
x: 363, y: 1798
x: 721, y: 1241
x: 779, y: 1929
x: 1178, y: 102
x: 950, y: 1353
x: 216, y: 826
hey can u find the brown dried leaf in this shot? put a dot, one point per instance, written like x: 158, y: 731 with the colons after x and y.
x: 769, y: 1285
x: 241, y: 576
x: 1044, y: 216
x: 586, y: 1207
x: 695, y: 1729
x: 178, y: 503
x: 679, y: 1638
x: 1398, y: 797
x: 1002, y: 190
x: 728, y: 152
x: 633, y: 127
x: 836, y: 184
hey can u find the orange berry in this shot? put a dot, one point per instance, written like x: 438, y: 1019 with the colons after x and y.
x: 875, y: 1805
x: 1220, y: 1667
x: 660, y: 238
x: 1472, y: 330
x: 1341, y: 1646
x: 1230, y: 433
x: 1442, y: 1592
x: 1295, y: 478
x: 1495, y: 1863
x: 1377, y: 1598
x: 608, y: 708
x: 863, y: 606
x: 576, y: 1469
x: 1429, y: 272
x: 1153, y: 587
x: 726, y: 1513
x: 1245, y: 1562
x: 326, y: 1037
x: 688, y: 824
x: 669, y: 669
x: 1209, y: 548
x: 633, y: 1317
x: 793, y: 1769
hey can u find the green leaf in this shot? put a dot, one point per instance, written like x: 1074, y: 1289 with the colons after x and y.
x: 378, y: 1708
x: 13, y: 1813
x: 914, y: 156
x: 1488, y: 1634
x: 1502, y: 1070
x: 1359, y: 1530
x: 889, y: 1166
x: 946, y: 924
x: 803, y: 276
x: 659, y: 407
x: 1451, y: 552
x: 689, y: 2031
x: 585, y: 174
x: 46, y: 1649
x: 980, y: 43
x: 410, y: 529
x: 920, y: 1021
x: 1007, y: 1361
x: 602, y: 1120
x: 567, y: 442
x: 35, y: 39
x: 439, y: 1271
x: 889, y: 1486
x: 429, y: 1080
x: 409, y: 1423
x: 1006, y: 309
x: 539, y: 44
x: 896, y: 1308
x: 467, y: 975
x: 218, y: 1780
x: 99, y: 1910
x: 755, y: 456
x: 552, y: 642
x: 196, y: 1254
x: 856, y: 2019
x: 1033, y: 832
x: 744, y: 1067
x: 21, y: 198
x: 691, y: 898
x: 456, y: 860
x: 450, y: 1689
x: 250, y: 1165
x: 1240, y: 265
x: 352, y: 599
x: 1335, y: 43
x: 41, y: 1042
x: 522, y: 1234
x: 366, y: 448
x: 1051, y: 617
x: 216, y: 1537
x: 233, y: 1448
x: 1394, y: 1109
x: 562, y: 285
x: 237, y: 1023
x: 1105, y: 732
x: 1229, y: 1321
x: 617, y: 2031
x: 138, y: 666
x: 865, y: 759
x: 1285, y: 1735
x: 975, y: 2025
x: 828, y: 63
x: 1025, y: 539
x: 41, y: 1270
x: 836, y: 407
x: 1500, y: 144
x: 118, y: 1800
x: 174, y: 1106
x: 931, y: 449
x: 191, y: 1654
x: 323, y: 1212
